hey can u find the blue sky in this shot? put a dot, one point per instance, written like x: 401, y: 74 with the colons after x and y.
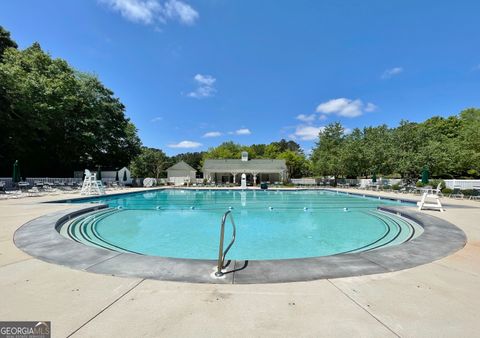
x: 193, y: 73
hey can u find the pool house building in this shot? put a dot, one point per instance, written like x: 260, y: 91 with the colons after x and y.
x: 180, y: 173
x: 257, y: 170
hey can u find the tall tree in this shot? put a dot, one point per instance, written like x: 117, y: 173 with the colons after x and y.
x: 326, y: 156
x: 5, y: 41
x: 297, y: 165
x: 149, y: 163
x: 224, y: 150
x: 193, y: 159
x: 57, y: 119
x: 354, y: 155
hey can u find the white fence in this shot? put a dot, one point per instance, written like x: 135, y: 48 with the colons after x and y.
x: 50, y: 180
x: 179, y: 180
x: 365, y: 182
x: 304, y: 181
x: 462, y: 184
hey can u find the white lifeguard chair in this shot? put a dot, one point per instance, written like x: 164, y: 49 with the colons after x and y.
x: 243, y: 183
x: 92, y: 186
x: 431, y: 200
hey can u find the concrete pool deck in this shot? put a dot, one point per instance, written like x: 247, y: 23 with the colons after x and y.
x: 439, y: 299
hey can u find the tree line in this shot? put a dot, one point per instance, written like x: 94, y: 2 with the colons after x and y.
x: 154, y: 162
x: 448, y: 147
x: 55, y: 119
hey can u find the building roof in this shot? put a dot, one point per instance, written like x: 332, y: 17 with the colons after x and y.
x: 181, y: 166
x: 261, y: 165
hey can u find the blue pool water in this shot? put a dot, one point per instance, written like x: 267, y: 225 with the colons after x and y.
x: 270, y: 224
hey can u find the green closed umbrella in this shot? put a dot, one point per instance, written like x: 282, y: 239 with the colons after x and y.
x: 374, y: 178
x: 425, y: 174
x: 116, y: 177
x: 125, y: 176
x: 16, y: 172
x: 99, y: 174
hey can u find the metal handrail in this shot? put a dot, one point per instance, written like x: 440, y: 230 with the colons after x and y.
x: 222, y: 254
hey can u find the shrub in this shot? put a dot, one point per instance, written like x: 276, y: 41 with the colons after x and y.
x: 446, y: 191
x: 469, y: 192
x: 419, y: 184
x: 434, y: 183
x: 396, y: 187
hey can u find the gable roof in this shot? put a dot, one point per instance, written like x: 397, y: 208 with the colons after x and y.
x: 256, y: 164
x: 181, y: 166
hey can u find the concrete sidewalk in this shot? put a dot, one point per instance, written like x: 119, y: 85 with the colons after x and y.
x: 440, y: 299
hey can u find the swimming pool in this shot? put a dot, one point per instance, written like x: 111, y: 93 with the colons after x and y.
x: 271, y: 224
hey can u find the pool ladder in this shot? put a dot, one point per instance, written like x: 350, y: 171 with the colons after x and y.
x: 222, y: 254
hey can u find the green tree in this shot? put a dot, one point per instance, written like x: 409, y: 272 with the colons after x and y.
x: 284, y: 145
x: 193, y: 159
x: 326, y: 155
x: 297, y: 165
x: 5, y: 41
x: 377, y: 147
x: 58, y: 120
x: 224, y: 151
x: 470, y: 140
x: 354, y: 155
x: 149, y: 163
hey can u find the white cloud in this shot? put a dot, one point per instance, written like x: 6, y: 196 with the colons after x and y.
x: 391, y: 72
x: 243, y: 131
x: 306, y: 133
x: 345, y: 107
x: 205, y: 86
x: 322, y: 117
x: 156, y: 119
x: 185, y: 144
x: 204, y: 80
x: 180, y: 11
x: 152, y: 12
x: 370, y: 107
x: 212, y: 134
x: 135, y: 10
x: 306, y: 118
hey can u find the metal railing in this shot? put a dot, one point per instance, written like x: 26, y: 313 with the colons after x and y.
x: 222, y: 254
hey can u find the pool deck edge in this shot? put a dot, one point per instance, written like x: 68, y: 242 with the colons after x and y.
x: 40, y: 239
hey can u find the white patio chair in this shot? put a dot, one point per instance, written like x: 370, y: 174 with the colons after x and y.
x: 34, y: 192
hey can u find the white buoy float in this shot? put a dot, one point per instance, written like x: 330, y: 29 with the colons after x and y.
x: 192, y: 208
x: 230, y: 208
x: 158, y: 207
x: 270, y: 208
x: 345, y: 209
x: 305, y: 209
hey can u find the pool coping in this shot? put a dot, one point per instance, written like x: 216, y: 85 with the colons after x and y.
x: 360, y: 194
x: 40, y: 239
